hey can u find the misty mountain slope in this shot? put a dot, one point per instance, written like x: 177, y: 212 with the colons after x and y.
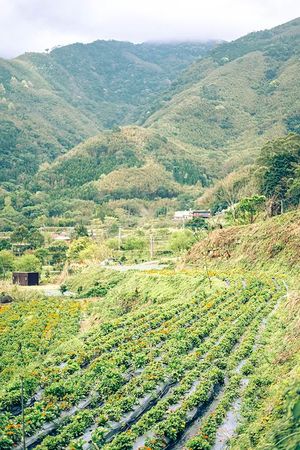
x: 201, y: 134
x: 279, y: 43
x: 49, y: 102
x: 250, y: 93
x: 247, y: 92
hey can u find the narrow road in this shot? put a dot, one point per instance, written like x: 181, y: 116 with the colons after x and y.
x: 149, y: 265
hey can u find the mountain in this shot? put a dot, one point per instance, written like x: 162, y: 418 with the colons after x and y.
x: 209, y: 123
x: 231, y: 102
x: 242, y: 94
x: 126, y: 169
x: 126, y: 147
x: 49, y: 102
x: 129, y: 163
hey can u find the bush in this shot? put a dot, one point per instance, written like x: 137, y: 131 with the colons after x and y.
x: 6, y: 262
x: 181, y: 240
x: 134, y: 243
x: 28, y: 263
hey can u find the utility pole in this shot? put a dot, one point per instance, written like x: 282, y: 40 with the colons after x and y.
x: 22, y: 398
x: 207, y: 273
x: 151, y: 246
x: 119, y: 238
x: 281, y: 207
x: 23, y: 419
x: 209, y: 229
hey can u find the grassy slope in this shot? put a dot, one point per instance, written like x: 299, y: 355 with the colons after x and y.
x: 270, y: 408
x: 270, y: 245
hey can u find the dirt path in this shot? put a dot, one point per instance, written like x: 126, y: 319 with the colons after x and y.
x: 149, y: 265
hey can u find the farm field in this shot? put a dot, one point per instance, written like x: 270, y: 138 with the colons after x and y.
x: 161, y: 373
x: 150, y: 231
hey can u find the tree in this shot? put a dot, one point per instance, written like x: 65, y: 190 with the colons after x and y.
x: 181, y: 240
x: 63, y: 288
x: 20, y: 234
x: 277, y: 166
x: 36, y: 239
x: 80, y: 231
x: 293, y: 193
x: 197, y: 223
x: 28, y: 263
x: 5, y: 244
x: 247, y: 209
x: 29, y: 235
x: 134, y: 243
x: 42, y: 254
x: 76, y: 247
x: 6, y: 262
x: 57, y: 253
x: 94, y: 252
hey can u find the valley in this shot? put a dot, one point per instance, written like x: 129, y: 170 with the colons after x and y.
x: 153, y: 192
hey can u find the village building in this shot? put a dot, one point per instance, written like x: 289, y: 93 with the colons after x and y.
x: 182, y: 216
x: 63, y: 237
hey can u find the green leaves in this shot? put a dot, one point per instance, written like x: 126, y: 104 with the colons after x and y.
x: 278, y: 167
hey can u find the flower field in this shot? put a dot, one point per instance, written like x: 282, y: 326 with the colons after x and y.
x: 137, y: 381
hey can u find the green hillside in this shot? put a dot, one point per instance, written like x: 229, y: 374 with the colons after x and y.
x: 49, y: 102
x: 129, y: 163
x: 222, y: 109
x: 219, y: 113
x: 126, y: 147
x: 240, y: 95
x: 162, y: 358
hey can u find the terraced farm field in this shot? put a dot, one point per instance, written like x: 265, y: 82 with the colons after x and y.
x: 161, y: 376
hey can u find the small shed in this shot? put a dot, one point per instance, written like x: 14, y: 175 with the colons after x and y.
x: 26, y: 278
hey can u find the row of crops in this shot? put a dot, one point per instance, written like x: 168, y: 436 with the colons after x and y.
x: 141, y: 380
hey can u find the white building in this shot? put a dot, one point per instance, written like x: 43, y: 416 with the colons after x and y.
x: 183, y: 215
x: 188, y: 215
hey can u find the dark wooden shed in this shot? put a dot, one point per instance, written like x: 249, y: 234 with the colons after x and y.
x: 26, y: 278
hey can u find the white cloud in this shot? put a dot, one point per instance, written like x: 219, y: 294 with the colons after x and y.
x: 33, y: 25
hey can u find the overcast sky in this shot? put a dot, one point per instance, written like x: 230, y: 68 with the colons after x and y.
x: 34, y: 25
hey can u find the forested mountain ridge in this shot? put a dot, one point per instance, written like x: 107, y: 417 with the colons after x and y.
x: 130, y: 146
x: 237, y: 97
x: 205, y: 131
x: 280, y: 41
x: 242, y: 94
x: 49, y: 102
